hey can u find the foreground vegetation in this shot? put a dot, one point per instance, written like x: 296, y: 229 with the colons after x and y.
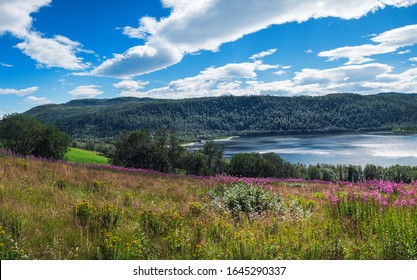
x: 56, y: 210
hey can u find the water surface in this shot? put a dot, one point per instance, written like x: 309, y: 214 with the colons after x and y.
x: 381, y: 148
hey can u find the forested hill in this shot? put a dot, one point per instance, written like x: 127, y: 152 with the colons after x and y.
x: 201, y: 118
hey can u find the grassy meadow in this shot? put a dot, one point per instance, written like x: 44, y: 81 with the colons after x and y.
x: 85, y: 156
x: 53, y: 210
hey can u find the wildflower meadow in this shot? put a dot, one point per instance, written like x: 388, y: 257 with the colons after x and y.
x: 58, y: 210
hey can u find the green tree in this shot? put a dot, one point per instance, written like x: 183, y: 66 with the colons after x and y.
x: 194, y: 162
x: 248, y: 165
x: 314, y: 172
x: 175, y: 150
x: 52, y: 143
x: 370, y: 172
x: 20, y: 133
x: 135, y: 149
x: 139, y: 149
x: 26, y: 135
x: 214, y: 156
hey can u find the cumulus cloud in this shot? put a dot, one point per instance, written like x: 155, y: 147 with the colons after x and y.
x: 130, y: 87
x: 15, y: 15
x: 414, y: 59
x: 241, y: 79
x: 37, y: 100
x: 262, y: 54
x: 364, y: 79
x: 193, y: 26
x: 212, y: 81
x: 89, y: 91
x: 388, y: 42
x: 52, y: 52
x: 18, y: 92
x: 59, y: 51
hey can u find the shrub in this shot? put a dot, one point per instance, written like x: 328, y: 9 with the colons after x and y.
x: 85, y: 213
x: 108, y: 216
x: 196, y: 208
x: 247, y: 199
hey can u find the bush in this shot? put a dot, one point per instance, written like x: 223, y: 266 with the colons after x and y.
x: 85, y: 213
x: 246, y: 199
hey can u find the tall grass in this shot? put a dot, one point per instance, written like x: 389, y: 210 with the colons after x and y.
x: 62, y: 211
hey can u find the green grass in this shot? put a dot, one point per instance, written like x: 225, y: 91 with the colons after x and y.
x: 84, y: 156
x: 52, y: 210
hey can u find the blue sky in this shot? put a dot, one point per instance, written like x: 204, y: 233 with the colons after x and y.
x: 52, y: 51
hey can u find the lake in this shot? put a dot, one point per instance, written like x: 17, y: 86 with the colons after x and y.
x: 380, y: 148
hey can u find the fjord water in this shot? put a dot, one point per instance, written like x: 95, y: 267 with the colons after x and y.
x: 381, y: 148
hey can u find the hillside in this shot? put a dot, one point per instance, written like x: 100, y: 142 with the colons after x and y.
x: 56, y: 210
x: 201, y: 118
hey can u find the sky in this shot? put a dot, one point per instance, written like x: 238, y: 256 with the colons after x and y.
x: 53, y: 51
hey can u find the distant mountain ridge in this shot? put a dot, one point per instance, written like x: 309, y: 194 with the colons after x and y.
x: 202, y: 118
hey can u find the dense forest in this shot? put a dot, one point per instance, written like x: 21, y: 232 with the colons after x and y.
x: 207, y: 118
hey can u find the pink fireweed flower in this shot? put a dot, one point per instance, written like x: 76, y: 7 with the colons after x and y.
x: 412, y: 202
x: 333, y: 198
x: 365, y: 197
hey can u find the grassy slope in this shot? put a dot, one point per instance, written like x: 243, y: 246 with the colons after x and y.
x: 84, y: 156
x: 63, y: 211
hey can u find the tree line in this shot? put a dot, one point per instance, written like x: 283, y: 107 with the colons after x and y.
x: 162, y: 151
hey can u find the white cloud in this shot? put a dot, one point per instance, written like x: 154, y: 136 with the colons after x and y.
x: 89, y: 91
x: 15, y: 15
x: 130, y: 87
x: 6, y: 65
x: 413, y: 59
x: 309, y: 51
x: 388, y: 42
x: 280, y: 72
x: 262, y: 54
x: 52, y: 52
x: 193, y: 26
x: 404, y: 52
x: 37, y: 100
x: 364, y: 79
x: 59, y: 51
x: 138, y: 60
x: 18, y: 92
x: 147, y: 27
x: 213, y: 81
x: 352, y: 78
